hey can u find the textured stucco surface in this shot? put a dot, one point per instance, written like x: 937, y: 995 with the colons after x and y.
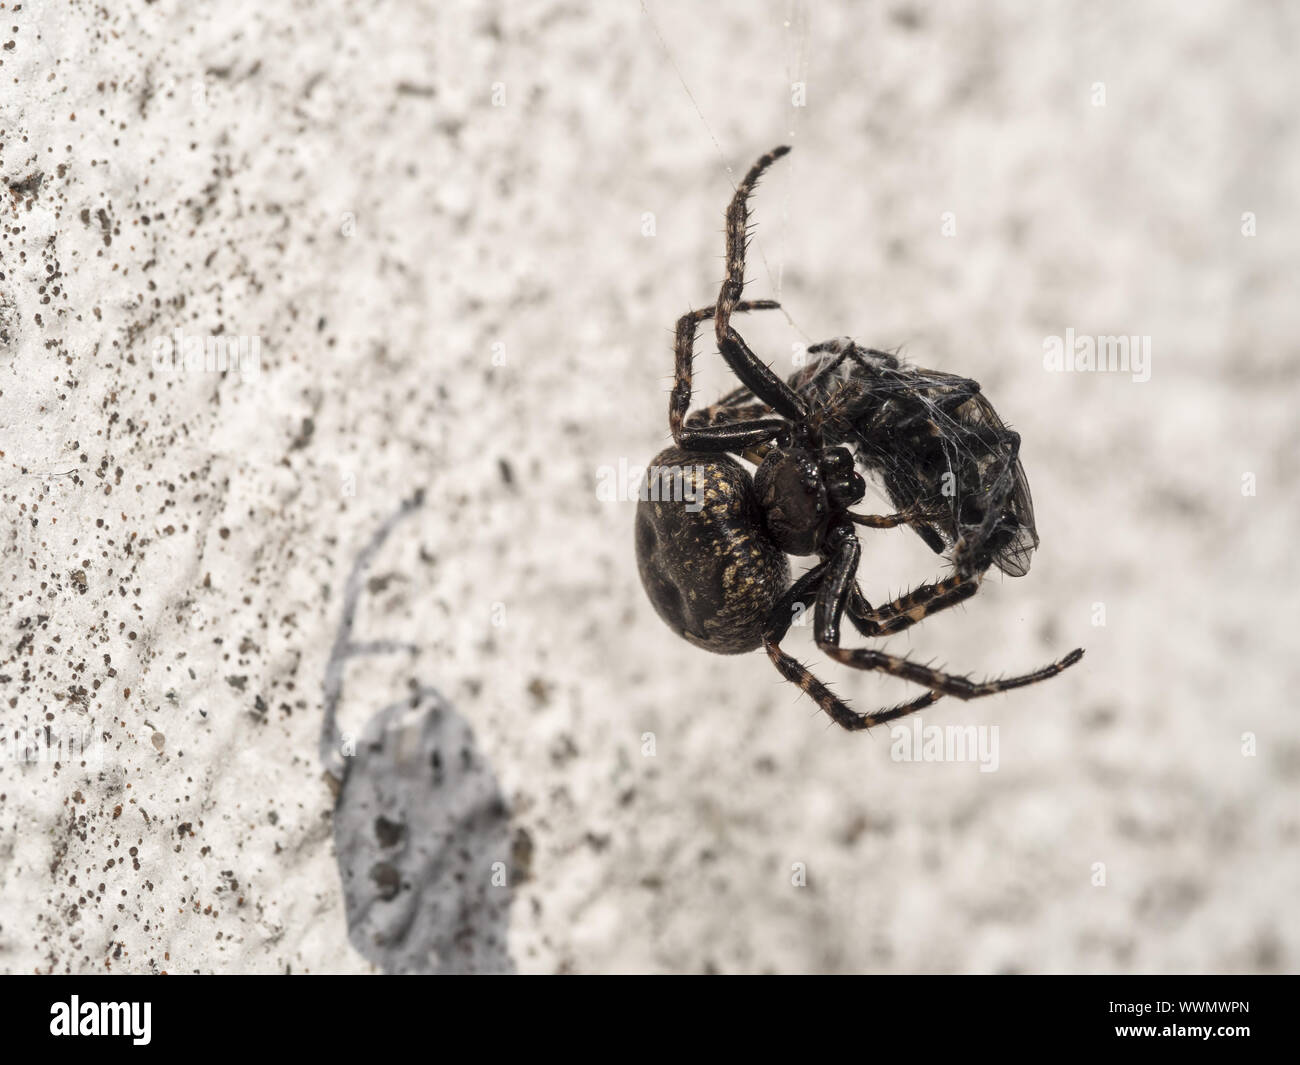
x: 433, y: 216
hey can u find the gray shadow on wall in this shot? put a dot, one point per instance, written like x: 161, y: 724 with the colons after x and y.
x: 421, y: 830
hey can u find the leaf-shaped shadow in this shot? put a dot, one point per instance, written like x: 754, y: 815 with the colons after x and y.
x: 423, y: 842
x: 421, y: 831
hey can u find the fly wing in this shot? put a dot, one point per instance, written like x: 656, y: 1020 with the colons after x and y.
x: 1012, y: 557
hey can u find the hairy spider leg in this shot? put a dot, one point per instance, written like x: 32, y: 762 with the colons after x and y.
x: 881, y: 521
x: 727, y: 413
x: 797, y: 673
x: 755, y: 374
x: 711, y: 438
x: 907, y: 610
x: 836, y: 587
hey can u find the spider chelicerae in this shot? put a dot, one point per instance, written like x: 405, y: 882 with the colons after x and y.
x: 717, y: 571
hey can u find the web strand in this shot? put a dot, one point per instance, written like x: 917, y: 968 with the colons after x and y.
x: 774, y: 279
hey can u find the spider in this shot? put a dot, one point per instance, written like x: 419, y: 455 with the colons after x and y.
x: 718, y: 573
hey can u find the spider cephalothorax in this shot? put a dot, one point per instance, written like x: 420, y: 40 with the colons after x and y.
x: 713, y: 558
x: 803, y: 491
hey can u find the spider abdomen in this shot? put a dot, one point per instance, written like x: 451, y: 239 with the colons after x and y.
x: 706, y: 560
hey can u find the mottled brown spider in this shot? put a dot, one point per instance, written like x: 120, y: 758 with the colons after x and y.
x: 717, y: 571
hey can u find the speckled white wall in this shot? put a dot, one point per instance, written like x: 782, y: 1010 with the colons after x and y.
x: 434, y: 221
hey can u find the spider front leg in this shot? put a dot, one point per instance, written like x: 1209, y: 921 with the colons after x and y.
x: 907, y: 610
x: 737, y: 237
x: 836, y: 588
x: 759, y: 378
x: 731, y: 414
x: 734, y: 437
x: 779, y: 621
x: 723, y: 413
x: 754, y: 374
